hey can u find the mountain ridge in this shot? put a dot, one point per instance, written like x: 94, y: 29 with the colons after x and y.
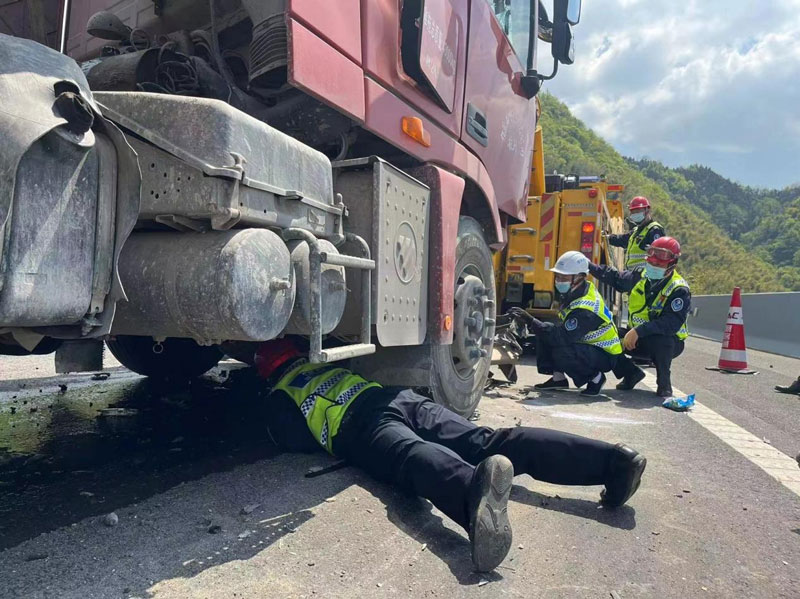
x: 714, y: 261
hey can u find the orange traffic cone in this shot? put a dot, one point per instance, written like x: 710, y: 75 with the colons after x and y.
x: 733, y: 355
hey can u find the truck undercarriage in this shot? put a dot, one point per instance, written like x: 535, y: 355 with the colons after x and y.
x: 206, y: 180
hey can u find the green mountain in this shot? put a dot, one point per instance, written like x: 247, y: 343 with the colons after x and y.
x: 715, y: 257
x: 766, y: 220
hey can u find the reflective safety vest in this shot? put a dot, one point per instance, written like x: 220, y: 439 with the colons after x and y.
x: 323, y: 393
x: 638, y: 310
x: 635, y: 253
x: 605, y: 337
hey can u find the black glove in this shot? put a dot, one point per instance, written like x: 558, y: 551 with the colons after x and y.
x: 520, y: 314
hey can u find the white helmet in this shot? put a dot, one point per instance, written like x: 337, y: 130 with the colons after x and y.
x: 571, y: 263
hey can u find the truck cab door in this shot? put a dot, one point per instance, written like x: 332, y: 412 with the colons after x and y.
x: 498, y: 119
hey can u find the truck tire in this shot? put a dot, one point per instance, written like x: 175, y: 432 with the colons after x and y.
x: 459, y: 370
x: 178, y: 358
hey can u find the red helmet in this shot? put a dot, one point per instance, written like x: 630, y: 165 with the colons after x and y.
x: 271, y: 355
x: 639, y: 203
x: 664, y: 252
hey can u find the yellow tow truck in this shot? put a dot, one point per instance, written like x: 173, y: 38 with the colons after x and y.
x: 565, y: 212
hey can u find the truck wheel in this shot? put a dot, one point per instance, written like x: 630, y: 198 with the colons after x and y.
x: 179, y: 358
x: 459, y: 370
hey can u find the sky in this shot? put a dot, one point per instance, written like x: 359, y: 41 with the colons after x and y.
x: 712, y: 82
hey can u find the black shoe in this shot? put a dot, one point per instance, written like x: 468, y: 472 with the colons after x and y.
x: 664, y: 391
x: 594, y: 388
x: 793, y: 388
x: 551, y: 383
x: 631, y: 380
x: 489, y: 528
x: 625, y: 474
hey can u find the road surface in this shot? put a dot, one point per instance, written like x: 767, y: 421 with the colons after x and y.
x: 207, y: 508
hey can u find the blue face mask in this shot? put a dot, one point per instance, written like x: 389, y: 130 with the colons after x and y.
x: 637, y: 217
x: 654, y: 273
x: 563, y: 287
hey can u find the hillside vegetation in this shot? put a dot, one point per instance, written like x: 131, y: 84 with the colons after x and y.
x: 713, y: 261
x: 767, y: 220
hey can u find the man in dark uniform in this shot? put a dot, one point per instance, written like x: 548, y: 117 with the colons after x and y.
x: 584, y: 345
x: 659, y: 303
x: 400, y: 437
x: 644, y: 232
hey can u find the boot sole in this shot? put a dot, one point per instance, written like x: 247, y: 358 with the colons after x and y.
x: 539, y: 387
x: 491, y: 530
x: 623, y: 387
x: 592, y: 392
x: 640, y: 463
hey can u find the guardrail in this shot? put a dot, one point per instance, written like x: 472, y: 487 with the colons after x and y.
x: 771, y: 320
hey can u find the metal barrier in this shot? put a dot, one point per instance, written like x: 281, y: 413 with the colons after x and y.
x: 771, y: 320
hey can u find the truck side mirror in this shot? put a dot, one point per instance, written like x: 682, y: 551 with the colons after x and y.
x: 573, y: 12
x: 563, y: 46
x: 566, y: 13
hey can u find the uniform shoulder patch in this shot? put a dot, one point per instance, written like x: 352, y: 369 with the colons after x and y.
x: 677, y: 304
x: 656, y: 236
x: 571, y: 324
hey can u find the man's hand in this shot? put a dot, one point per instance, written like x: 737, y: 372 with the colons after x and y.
x: 520, y: 314
x: 630, y: 340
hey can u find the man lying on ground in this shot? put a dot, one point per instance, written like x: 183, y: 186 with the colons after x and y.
x: 400, y: 437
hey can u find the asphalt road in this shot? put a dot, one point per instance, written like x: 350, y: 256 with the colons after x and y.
x: 207, y: 508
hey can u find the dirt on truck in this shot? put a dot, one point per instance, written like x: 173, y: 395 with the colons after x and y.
x: 191, y: 178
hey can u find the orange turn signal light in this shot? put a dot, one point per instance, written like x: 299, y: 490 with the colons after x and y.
x: 412, y: 126
x: 448, y: 322
x: 588, y: 228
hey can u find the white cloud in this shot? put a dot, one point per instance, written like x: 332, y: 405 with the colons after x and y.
x: 712, y: 82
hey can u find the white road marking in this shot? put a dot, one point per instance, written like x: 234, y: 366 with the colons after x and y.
x: 772, y: 461
x: 586, y: 417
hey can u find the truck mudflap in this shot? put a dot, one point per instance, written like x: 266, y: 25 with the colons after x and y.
x: 69, y: 198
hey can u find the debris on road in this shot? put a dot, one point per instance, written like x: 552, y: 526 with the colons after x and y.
x: 111, y: 519
x: 62, y: 388
x: 86, y: 494
x: 118, y: 412
x: 32, y: 557
x: 679, y: 404
x: 214, y: 529
x: 100, y: 376
x: 245, y: 534
x: 315, y: 471
x: 249, y: 508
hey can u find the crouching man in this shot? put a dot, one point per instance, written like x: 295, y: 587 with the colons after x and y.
x: 584, y: 344
x: 403, y: 438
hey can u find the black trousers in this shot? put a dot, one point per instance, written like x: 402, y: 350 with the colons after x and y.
x: 579, y: 361
x: 661, y: 349
x: 427, y: 450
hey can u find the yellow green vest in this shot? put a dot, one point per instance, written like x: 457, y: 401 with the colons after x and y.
x: 606, y: 337
x: 638, y: 310
x: 635, y: 253
x: 323, y: 394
